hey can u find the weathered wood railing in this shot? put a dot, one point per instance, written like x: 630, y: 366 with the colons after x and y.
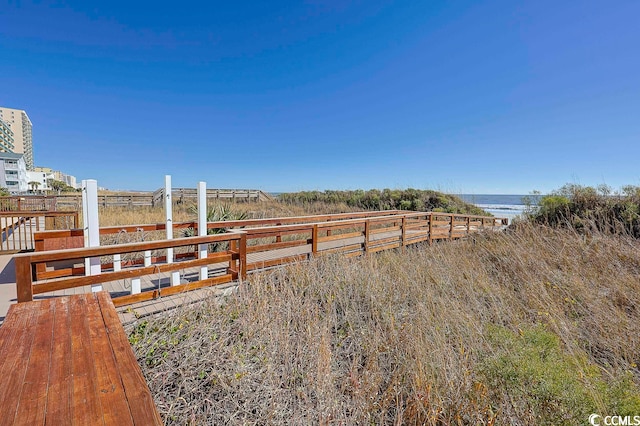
x: 232, y: 261
x: 18, y: 228
x: 239, y: 251
x: 28, y: 203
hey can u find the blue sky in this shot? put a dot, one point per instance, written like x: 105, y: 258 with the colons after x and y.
x: 463, y: 97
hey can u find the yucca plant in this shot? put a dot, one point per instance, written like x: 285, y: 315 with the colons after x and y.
x: 217, y: 213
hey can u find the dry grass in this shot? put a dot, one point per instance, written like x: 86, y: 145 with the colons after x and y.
x: 530, y: 326
x: 115, y: 216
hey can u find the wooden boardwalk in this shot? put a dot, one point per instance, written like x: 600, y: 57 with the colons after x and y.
x: 64, y: 356
x: 144, y: 280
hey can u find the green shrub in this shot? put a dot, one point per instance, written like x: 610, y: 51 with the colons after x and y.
x: 531, y: 370
x: 387, y: 199
x: 591, y: 209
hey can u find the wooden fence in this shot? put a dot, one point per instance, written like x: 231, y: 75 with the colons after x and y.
x: 147, y: 199
x: 258, y: 244
x: 28, y: 203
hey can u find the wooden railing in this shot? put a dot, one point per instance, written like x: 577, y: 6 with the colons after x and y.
x: 234, y: 266
x: 18, y: 228
x: 156, y: 198
x: 73, y: 201
x: 28, y: 203
x: 181, y: 195
x: 236, y: 252
x: 73, y: 238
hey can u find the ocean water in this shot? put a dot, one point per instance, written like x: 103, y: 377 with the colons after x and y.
x: 501, y: 205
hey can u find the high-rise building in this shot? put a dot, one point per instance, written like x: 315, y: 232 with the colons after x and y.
x: 20, y: 125
x: 6, y: 137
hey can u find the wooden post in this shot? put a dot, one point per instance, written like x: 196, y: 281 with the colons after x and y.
x: 243, y: 255
x: 24, y: 279
x: 39, y: 246
x: 366, y: 236
x: 403, y: 224
x: 430, y: 216
x: 468, y: 225
x: 168, y: 209
x: 202, y: 226
x: 91, y: 227
x: 451, y: 229
x: 314, y: 240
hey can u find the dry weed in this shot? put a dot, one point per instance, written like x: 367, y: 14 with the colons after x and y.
x: 537, y: 325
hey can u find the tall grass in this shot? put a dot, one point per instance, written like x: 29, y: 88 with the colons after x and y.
x: 115, y: 216
x: 535, y: 325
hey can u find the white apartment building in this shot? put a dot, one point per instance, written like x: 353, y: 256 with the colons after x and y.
x: 20, y: 125
x: 40, y: 172
x: 13, y: 172
x: 42, y: 179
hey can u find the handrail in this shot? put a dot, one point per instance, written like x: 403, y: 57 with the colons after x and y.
x: 19, y: 227
x: 350, y: 237
x: 26, y: 263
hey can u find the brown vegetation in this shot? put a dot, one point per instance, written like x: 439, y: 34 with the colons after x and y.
x: 535, y: 325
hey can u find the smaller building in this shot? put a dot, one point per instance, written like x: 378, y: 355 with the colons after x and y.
x: 38, y: 181
x: 13, y: 173
x: 47, y: 173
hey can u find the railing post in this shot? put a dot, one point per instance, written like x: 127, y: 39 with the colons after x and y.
x: 403, y: 224
x: 243, y: 255
x: 367, y: 229
x: 136, y: 285
x: 468, y: 225
x: 38, y: 245
x: 91, y: 227
x: 24, y: 279
x: 451, y: 229
x: 202, y: 226
x: 430, y: 216
x: 314, y: 240
x: 168, y: 208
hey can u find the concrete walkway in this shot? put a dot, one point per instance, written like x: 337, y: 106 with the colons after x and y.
x: 7, y: 284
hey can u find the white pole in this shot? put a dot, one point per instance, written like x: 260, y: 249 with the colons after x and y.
x: 168, y: 208
x: 202, y: 226
x: 91, y: 227
x: 117, y: 262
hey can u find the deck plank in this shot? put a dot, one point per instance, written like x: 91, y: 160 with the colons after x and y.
x: 85, y: 405
x: 33, y: 397
x: 141, y: 403
x: 110, y: 387
x: 59, y: 396
x: 16, y: 349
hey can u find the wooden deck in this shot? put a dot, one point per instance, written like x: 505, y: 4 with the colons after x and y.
x: 67, y: 361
